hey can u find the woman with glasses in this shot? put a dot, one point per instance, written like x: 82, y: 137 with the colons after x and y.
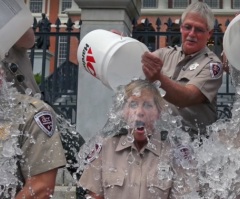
x: 135, y: 159
x: 190, y: 74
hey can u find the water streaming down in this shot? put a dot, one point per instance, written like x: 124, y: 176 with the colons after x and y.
x: 14, y: 110
x: 218, y: 156
x: 214, y: 160
x: 181, y: 148
x: 11, y: 116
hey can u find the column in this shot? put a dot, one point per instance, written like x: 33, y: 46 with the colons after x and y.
x: 95, y: 99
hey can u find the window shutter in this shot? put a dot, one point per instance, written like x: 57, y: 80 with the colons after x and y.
x: 170, y: 3
x: 221, y: 4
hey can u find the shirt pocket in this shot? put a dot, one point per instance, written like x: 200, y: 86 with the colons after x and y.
x: 186, y: 76
x: 111, y: 179
x: 161, y: 185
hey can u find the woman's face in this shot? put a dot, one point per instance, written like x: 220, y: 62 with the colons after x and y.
x: 140, y: 113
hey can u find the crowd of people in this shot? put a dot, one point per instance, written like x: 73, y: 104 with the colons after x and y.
x: 148, y: 152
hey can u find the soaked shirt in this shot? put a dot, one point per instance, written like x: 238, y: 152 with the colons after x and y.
x: 28, y: 147
x: 120, y: 171
x: 40, y: 143
x: 199, y: 70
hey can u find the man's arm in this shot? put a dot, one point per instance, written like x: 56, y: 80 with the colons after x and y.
x: 39, y: 186
x: 27, y: 40
x: 179, y: 95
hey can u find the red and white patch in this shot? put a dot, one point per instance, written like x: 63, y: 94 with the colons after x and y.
x: 215, y: 69
x: 94, y: 153
x: 45, y: 122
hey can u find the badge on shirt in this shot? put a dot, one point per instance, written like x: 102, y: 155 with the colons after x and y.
x: 45, y: 122
x: 193, y: 66
x: 215, y: 69
x: 94, y: 153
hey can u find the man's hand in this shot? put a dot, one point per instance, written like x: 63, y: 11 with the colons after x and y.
x: 152, y: 66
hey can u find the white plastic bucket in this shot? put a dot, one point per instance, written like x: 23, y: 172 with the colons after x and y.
x: 15, y: 20
x: 113, y: 59
x: 231, y: 42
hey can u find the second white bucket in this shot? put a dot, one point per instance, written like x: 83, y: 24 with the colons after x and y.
x: 231, y: 42
x: 113, y: 59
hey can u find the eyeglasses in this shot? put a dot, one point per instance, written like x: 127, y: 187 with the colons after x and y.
x: 197, y: 30
x: 14, y: 70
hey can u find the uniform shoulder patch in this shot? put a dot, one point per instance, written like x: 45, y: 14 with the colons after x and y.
x: 94, y: 153
x: 216, y: 69
x: 45, y: 121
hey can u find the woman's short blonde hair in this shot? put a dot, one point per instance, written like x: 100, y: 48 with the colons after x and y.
x: 141, y: 85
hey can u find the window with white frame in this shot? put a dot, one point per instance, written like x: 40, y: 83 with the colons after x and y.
x: 236, y: 4
x: 180, y: 3
x: 215, y: 4
x: 149, y: 3
x: 36, y: 6
x: 65, y: 4
x: 62, y: 49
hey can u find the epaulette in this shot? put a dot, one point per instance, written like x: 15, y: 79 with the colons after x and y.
x: 212, y: 56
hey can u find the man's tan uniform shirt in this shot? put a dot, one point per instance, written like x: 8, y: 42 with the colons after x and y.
x: 203, y: 70
x: 41, y: 144
x: 119, y: 171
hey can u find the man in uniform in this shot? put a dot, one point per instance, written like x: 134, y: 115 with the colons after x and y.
x: 31, y: 150
x: 187, y: 73
x: 18, y: 69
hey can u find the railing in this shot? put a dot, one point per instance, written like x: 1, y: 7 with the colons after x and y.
x: 59, y: 88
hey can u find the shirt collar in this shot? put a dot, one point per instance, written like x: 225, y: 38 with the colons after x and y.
x: 154, y: 145
x: 204, y: 50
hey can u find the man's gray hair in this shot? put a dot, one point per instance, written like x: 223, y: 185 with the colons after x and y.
x: 203, y: 10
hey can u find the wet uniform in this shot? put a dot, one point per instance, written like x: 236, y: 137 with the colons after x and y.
x: 203, y: 70
x: 39, y: 141
x: 71, y: 141
x: 120, y: 171
x: 42, y: 148
x: 20, y: 57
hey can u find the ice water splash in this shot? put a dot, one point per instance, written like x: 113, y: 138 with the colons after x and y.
x: 157, y: 84
x: 12, y: 114
x: 218, y: 155
x: 167, y: 122
x: 115, y: 121
x: 219, y: 160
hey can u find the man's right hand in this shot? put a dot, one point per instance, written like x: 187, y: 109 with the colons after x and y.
x: 152, y: 66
